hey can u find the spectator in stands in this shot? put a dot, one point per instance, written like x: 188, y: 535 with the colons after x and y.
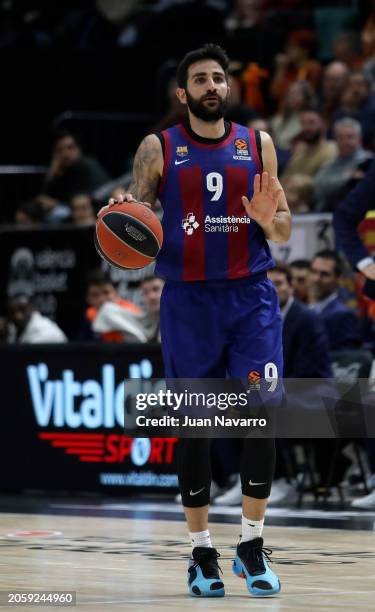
x: 109, y: 318
x: 341, y: 323
x: 152, y: 287
x: 25, y: 325
x: 347, y: 49
x: 29, y: 214
x: 70, y: 172
x: 54, y: 212
x: 298, y: 189
x: 368, y: 33
x: 335, y: 77
x: 335, y: 175
x: 358, y: 102
x: 295, y: 64
x: 313, y: 149
x: 286, y: 125
x: 300, y: 271
x: 82, y: 208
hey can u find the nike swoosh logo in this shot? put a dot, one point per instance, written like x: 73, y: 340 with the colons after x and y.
x: 254, y: 484
x: 177, y: 163
x: 196, y: 492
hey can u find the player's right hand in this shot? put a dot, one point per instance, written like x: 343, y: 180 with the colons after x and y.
x: 126, y: 197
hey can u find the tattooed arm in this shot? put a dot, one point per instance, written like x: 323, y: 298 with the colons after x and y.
x: 147, y: 170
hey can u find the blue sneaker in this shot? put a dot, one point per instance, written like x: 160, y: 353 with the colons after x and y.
x: 251, y: 563
x: 204, y: 579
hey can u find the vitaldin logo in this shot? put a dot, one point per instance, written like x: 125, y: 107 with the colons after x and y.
x: 67, y: 402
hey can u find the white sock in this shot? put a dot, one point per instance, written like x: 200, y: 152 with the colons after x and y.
x: 251, y: 529
x: 200, y: 538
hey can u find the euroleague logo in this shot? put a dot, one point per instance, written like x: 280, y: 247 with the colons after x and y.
x: 242, y: 150
x: 254, y: 379
x: 240, y: 144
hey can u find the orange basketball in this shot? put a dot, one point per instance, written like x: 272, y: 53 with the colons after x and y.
x: 128, y: 235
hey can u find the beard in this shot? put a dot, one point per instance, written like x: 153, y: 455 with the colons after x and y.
x: 312, y: 138
x: 199, y: 110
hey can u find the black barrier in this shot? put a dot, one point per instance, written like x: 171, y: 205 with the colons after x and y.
x: 52, y: 265
x: 63, y: 417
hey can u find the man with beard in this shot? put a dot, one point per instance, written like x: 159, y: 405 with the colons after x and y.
x: 217, y: 182
x: 312, y: 149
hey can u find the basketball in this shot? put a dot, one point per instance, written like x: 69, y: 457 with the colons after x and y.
x: 128, y: 235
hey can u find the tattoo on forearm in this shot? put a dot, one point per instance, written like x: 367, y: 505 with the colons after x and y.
x: 145, y: 182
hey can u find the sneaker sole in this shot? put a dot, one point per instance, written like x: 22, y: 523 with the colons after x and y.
x: 218, y: 593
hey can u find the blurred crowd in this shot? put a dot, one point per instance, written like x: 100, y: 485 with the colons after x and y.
x: 302, y: 71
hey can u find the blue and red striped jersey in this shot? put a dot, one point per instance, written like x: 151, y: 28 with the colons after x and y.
x: 207, y: 233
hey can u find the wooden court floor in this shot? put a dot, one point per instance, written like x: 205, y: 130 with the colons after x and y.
x: 123, y: 564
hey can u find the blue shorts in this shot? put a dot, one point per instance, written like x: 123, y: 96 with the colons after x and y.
x: 216, y: 329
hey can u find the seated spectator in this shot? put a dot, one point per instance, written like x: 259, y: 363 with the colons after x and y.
x: 368, y: 33
x: 300, y: 271
x: 82, y: 210
x: 312, y: 149
x: 70, y: 172
x: 109, y: 318
x: 333, y: 177
x: 335, y: 77
x: 295, y: 64
x: 25, y: 325
x: 358, y: 102
x: 286, y: 125
x: 342, y: 325
x: 347, y: 49
x: 54, y: 212
x: 299, y: 192
x: 152, y: 287
x: 29, y: 214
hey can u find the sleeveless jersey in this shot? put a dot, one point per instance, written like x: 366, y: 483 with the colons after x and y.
x: 207, y: 233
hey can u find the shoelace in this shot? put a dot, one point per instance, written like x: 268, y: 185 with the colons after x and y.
x: 208, y: 564
x: 256, y: 555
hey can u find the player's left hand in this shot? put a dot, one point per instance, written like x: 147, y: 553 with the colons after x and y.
x: 263, y: 205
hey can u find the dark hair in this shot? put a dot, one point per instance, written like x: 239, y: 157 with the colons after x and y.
x: 283, y: 268
x: 149, y: 278
x: 98, y: 277
x: 332, y: 256
x: 306, y: 39
x: 62, y: 133
x: 358, y: 71
x: 301, y: 264
x: 208, y: 51
x: 312, y: 109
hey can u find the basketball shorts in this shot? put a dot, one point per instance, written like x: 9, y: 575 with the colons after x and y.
x: 220, y: 329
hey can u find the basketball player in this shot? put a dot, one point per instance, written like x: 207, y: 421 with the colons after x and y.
x: 219, y: 312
